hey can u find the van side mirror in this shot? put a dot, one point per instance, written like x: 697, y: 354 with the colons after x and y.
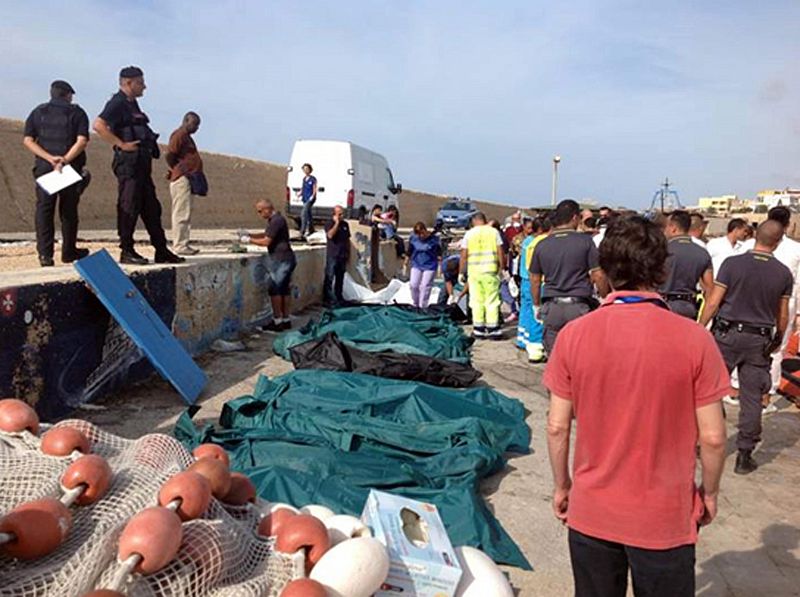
x: 397, y: 189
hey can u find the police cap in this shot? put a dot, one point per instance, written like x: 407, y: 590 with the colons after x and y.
x: 131, y: 72
x: 62, y: 85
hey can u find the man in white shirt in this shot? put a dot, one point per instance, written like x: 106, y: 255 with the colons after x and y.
x: 698, y: 229
x: 731, y: 244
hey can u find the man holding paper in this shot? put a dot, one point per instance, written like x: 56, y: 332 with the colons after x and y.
x: 57, y: 134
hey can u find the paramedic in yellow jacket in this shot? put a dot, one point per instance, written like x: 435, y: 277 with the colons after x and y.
x: 482, y: 257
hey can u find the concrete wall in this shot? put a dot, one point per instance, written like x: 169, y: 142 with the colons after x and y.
x: 236, y: 183
x: 59, y: 347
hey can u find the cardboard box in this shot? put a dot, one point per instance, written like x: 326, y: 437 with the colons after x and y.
x: 423, y: 563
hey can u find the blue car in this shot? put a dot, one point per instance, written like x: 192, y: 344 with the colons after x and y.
x: 456, y: 214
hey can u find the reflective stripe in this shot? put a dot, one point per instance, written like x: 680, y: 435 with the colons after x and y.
x: 482, y: 250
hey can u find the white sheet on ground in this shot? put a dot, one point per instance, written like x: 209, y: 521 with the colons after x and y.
x: 396, y: 292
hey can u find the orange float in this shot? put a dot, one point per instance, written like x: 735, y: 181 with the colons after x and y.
x: 38, y: 528
x: 191, y: 489
x: 154, y: 535
x: 91, y: 471
x: 242, y: 491
x: 304, y: 587
x: 307, y: 533
x: 217, y: 474
x: 272, y: 523
x: 62, y: 441
x: 212, y: 451
x: 17, y: 416
x: 104, y: 593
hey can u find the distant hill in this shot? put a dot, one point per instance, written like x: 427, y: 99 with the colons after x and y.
x: 235, y: 182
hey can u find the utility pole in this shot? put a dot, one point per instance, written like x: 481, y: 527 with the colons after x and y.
x: 556, y: 160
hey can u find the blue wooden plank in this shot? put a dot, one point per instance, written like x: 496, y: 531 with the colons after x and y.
x: 127, y: 305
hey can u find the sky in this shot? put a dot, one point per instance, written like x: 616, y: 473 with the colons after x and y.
x: 463, y: 98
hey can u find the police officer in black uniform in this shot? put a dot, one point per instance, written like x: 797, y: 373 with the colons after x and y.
x: 568, y: 262
x: 127, y: 129
x: 57, y: 133
x: 687, y: 265
x: 751, y: 295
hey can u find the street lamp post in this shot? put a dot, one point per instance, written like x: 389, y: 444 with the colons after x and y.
x: 556, y: 160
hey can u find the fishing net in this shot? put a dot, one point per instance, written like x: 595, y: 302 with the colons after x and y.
x: 220, y: 555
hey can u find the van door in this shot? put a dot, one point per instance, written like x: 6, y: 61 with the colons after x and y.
x: 365, y: 183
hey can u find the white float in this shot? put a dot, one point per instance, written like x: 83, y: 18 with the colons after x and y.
x: 343, y: 527
x: 319, y: 512
x: 481, y: 576
x: 354, y: 568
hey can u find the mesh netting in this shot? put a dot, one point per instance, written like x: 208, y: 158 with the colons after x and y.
x: 220, y: 555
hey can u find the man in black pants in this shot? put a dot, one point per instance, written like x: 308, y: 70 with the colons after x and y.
x: 567, y: 262
x: 123, y: 125
x: 751, y: 295
x: 57, y: 134
x: 338, y: 251
x: 687, y: 265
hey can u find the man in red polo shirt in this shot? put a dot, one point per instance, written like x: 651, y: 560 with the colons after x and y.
x: 645, y: 394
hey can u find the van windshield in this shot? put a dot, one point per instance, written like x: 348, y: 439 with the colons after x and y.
x: 456, y: 206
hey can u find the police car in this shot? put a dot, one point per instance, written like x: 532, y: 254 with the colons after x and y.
x: 456, y: 214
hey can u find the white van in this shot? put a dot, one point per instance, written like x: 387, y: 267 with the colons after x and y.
x: 347, y: 175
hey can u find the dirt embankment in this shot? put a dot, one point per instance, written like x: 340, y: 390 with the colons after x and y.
x: 236, y: 183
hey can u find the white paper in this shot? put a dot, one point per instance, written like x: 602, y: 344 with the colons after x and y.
x: 55, y: 181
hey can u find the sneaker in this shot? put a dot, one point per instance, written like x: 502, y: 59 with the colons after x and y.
x: 167, y: 256
x: 78, y: 254
x: 769, y: 409
x: 479, y: 332
x: 494, y: 333
x: 132, y: 258
x: 511, y: 318
x: 745, y: 463
x: 286, y: 324
x: 46, y: 261
x: 186, y: 251
x: 272, y: 326
x: 730, y: 400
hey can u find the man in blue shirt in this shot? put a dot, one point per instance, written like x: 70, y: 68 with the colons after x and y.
x: 309, y: 195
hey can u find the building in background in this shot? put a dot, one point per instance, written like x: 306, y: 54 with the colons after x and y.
x: 769, y: 198
x: 719, y: 205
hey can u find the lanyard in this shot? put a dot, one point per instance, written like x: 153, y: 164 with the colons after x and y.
x: 635, y: 300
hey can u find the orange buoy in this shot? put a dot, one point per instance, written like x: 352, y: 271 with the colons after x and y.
x: 271, y: 524
x: 242, y: 490
x: 155, y: 534
x: 104, y: 593
x: 93, y: 472
x: 16, y: 416
x: 304, y: 587
x: 211, y: 451
x: 192, y: 489
x: 39, y: 528
x: 62, y: 441
x: 305, y: 532
x: 217, y: 474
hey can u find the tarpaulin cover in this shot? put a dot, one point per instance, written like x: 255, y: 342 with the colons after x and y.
x: 379, y: 329
x: 331, y: 354
x: 323, y: 437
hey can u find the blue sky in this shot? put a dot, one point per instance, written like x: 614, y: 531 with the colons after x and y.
x: 466, y: 98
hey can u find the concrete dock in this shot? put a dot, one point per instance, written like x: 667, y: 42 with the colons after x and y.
x: 752, y: 549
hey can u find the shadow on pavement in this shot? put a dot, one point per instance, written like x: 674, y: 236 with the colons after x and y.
x: 772, y: 569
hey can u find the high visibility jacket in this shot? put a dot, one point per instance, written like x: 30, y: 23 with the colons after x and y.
x: 482, y: 250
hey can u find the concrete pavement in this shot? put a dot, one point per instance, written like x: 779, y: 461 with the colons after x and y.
x: 753, y: 548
